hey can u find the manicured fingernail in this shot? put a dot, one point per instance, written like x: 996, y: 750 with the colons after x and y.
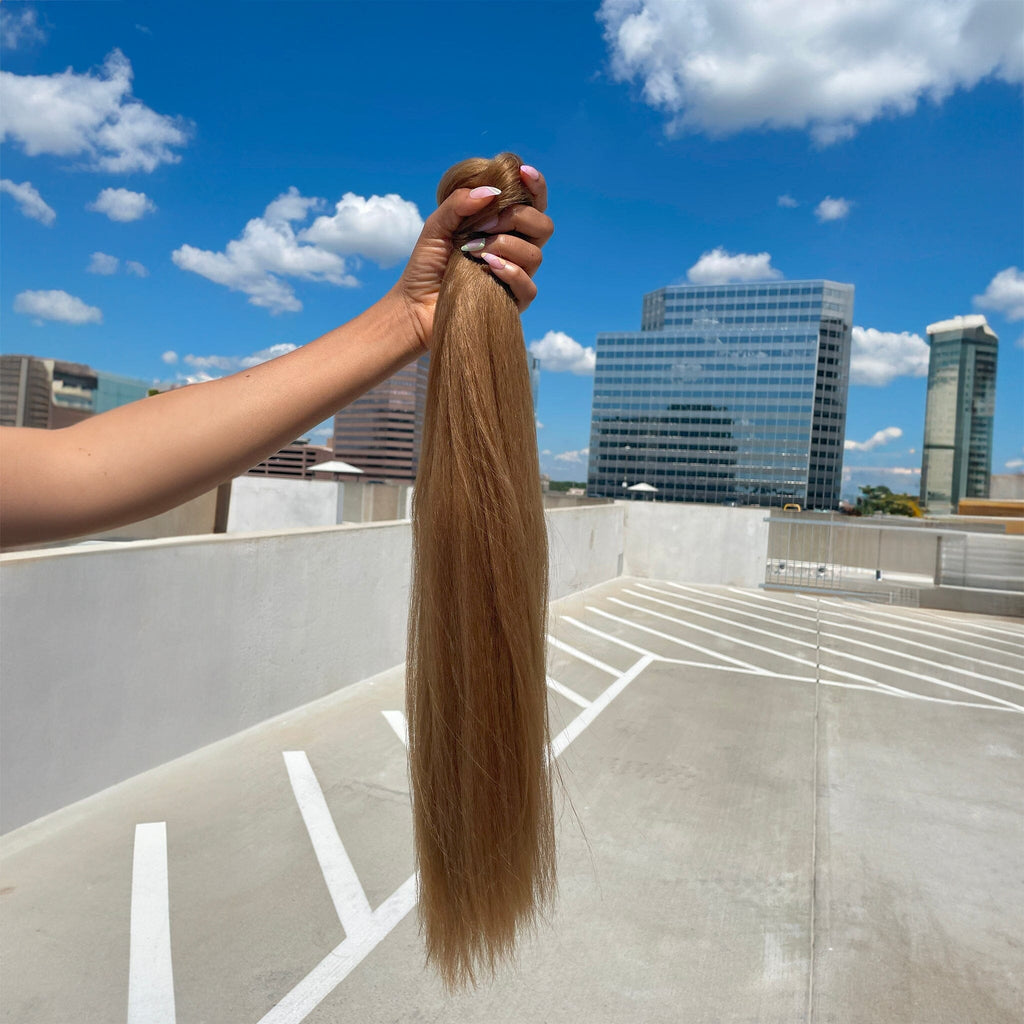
x: 488, y: 224
x: 530, y: 172
x: 495, y: 262
x: 475, y: 246
x: 484, y: 190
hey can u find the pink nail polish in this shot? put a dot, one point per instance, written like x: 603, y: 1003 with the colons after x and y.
x: 484, y: 190
x: 488, y: 224
x: 530, y: 172
x: 495, y: 262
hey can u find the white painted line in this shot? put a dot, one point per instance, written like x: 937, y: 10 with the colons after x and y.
x: 396, y: 719
x: 742, y: 610
x: 893, y: 691
x: 339, y: 963
x: 723, y: 636
x: 760, y: 598
x: 567, y: 693
x: 914, y: 675
x: 563, y: 646
x: 606, y: 636
x: 675, y: 639
x: 584, y: 718
x: 922, y: 661
x: 150, y: 977
x: 342, y: 882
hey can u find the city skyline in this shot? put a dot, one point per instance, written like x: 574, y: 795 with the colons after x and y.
x: 202, y: 221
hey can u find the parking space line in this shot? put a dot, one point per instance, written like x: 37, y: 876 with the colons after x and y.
x: 723, y: 636
x: 676, y: 639
x: 729, y: 622
x: 917, y: 675
x: 582, y: 656
x: 605, y: 636
x: 712, y: 602
x: 150, y: 973
x: 760, y: 598
x: 342, y: 882
x: 568, y: 694
x: 894, y: 691
x: 397, y: 721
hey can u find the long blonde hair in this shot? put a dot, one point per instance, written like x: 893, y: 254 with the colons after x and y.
x: 476, y: 687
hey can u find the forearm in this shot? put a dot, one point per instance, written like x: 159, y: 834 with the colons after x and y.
x: 144, y: 458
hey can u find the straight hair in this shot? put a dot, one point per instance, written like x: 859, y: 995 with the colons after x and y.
x: 475, y: 683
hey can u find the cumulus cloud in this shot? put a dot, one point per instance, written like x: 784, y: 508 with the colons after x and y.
x: 19, y: 28
x: 270, y: 249
x: 721, y: 267
x: 29, y: 201
x: 558, y: 353
x: 722, y: 66
x: 92, y: 115
x: 381, y: 228
x: 102, y: 263
x: 210, y: 367
x: 170, y: 357
x: 122, y: 205
x: 136, y: 268
x: 788, y: 201
x: 573, y: 458
x: 876, y: 440
x: 56, y: 305
x: 832, y: 209
x: 878, y: 357
x: 1004, y: 294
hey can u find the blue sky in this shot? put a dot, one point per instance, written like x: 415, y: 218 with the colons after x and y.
x: 144, y: 142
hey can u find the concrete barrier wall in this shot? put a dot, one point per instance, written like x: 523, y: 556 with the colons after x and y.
x: 261, y: 503
x: 118, y: 658
x: 696, y: 543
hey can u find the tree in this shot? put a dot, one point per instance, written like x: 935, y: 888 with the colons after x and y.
x: 881, y: 499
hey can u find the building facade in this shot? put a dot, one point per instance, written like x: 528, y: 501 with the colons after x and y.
x: 956, y: 459
x: 52, y: 393
x: 381, y: 432
x: 727, y: 394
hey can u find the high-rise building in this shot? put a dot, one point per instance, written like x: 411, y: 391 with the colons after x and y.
x: 729, y: 393
x: 51, y: 393
x: 381, y: 432
x: 956, y: 459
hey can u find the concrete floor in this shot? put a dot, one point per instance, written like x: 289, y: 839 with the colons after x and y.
x: 776, y: 809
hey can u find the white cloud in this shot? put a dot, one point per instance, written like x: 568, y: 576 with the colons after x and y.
x: 88, y: 115
x: 721, y: 267
x: 878, y: 357
x: 136, y: 268
x: 122, y: 205
x: 381, y: 228
x: 1014, y: 464
x: 832, y: 209
x: 722, y: 66
x: 877, y: 440
x: 1004, y: 294
x: 571, y: 458
x: 56, y: 305
x: 547, y: 451
x: 30, y: 202
x: 19, y: 29
x: 540, y: 426
x: 787, y: 201
x: 230, y: 364
x: 558, y: 353
x: 170, y: 357
x: 102, y: 263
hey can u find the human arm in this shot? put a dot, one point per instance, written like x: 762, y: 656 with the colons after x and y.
x: 141, y: 459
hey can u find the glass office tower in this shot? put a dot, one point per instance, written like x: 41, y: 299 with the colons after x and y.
x: 957, y: 456
x: 728, y: 394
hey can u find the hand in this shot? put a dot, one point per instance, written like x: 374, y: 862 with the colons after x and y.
x: 511, y: 259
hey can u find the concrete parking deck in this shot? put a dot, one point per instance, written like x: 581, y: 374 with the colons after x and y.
x: 777, y: 809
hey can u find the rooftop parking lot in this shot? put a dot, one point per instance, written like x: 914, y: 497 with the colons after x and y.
x: 776, y: 808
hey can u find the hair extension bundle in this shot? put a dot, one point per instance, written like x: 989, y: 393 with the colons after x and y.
x: 476, y: 687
